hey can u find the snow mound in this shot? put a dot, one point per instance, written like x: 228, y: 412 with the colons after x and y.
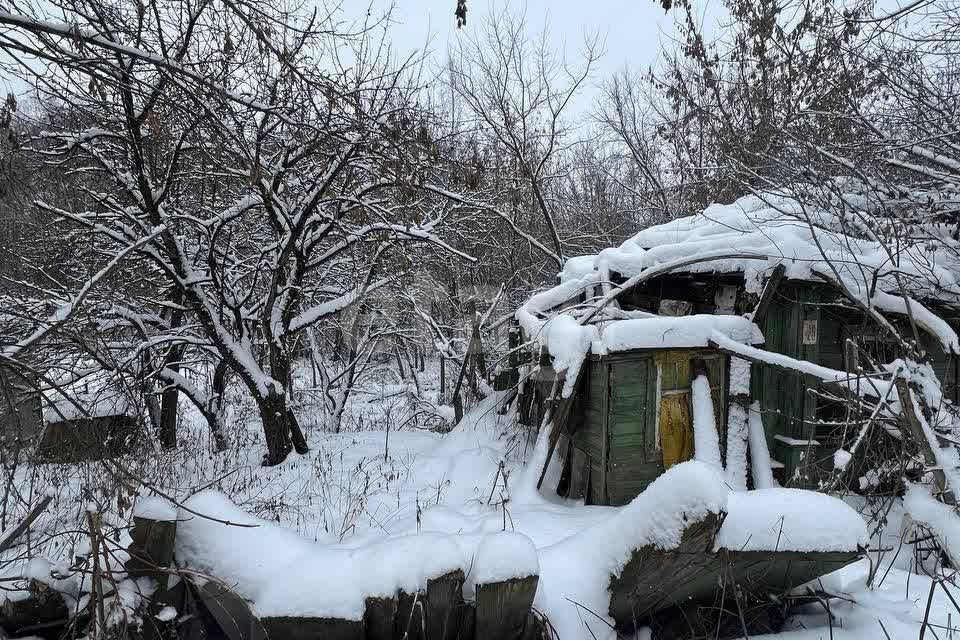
x: 790, y: 519
x: 578, y: 569
x: 154, y: 508
x: 677, y: 332
x: 501, y: 556
x: 286, y: 575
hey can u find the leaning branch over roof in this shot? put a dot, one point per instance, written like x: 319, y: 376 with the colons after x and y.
x: 666, y: 267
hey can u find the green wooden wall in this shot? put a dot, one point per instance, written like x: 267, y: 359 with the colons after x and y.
x: 613, y: 443
x: 789, y: 409
x: 634, y: 460
x: 615, y: 421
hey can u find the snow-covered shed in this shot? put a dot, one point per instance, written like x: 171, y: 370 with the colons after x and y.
x: 808, y: 284
x: 88, y: 421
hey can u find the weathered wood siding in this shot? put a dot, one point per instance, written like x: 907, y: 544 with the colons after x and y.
x: 634, y: 461
x: 789, y: 409
x: 614, y: 453
x: 588, y: 439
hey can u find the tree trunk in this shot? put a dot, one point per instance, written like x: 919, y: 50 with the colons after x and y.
x: 216, y: 407
x: 171, y: 397
x: 153, y: 409
x: 168, y: 418
x: 276, y: 427
x: 280, y: 369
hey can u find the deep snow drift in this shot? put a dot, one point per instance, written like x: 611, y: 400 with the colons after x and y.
x: 367, y: 512
x: 573, y: 548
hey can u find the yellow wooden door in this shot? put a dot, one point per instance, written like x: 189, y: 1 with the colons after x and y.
x: 676, y: 429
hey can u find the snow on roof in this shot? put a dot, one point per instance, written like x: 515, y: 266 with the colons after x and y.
x: 97, y: 399
x: 764, y: 231
x: 787, y: 232
x: 676, y: 332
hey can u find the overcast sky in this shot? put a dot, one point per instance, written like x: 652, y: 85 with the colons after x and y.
x: 631, y: 30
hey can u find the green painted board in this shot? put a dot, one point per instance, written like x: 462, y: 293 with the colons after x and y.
x: 632, y: 418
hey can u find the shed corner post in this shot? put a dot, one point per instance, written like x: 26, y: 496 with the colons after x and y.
x: 603, y: 367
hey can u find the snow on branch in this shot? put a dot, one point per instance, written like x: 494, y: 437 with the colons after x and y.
x: 66, y: 309
x: 315, y: 313
x: 74, y: 32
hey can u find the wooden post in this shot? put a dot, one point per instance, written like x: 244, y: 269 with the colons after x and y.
x: 443, y: 377
x: 151, y: 545
x: 378, y: 618
x: 503, y: 607
x: 152, y: 539
x: 409, y: 623
x: 444, y: 605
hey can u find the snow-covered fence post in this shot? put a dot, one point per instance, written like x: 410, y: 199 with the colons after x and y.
x: 152, y: 539
x: 444, y: 605
x: 504, y: 607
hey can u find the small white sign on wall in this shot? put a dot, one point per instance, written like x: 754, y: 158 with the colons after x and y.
x: 809, y: 332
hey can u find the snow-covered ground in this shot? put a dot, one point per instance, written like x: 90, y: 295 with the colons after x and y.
x: 407, y: 502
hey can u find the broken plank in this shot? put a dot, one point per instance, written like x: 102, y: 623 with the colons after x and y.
x: 766, y: 296
x: 557, y: 420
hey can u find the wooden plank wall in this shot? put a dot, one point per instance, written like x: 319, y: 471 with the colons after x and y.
x: 586, y: 473
x: 634, y: 459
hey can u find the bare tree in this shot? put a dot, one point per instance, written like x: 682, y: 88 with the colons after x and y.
x: 518, y: 93
x: 257, y: 166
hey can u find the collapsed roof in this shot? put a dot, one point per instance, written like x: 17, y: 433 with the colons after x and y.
x: 767, y: 230
x: 751, y: 236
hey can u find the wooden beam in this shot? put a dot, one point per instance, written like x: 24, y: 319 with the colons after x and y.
x: 766, y: 296
x: 915, y: 427
x: 659, y: 270
x: 557, y: 419
x: 21, y: 528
